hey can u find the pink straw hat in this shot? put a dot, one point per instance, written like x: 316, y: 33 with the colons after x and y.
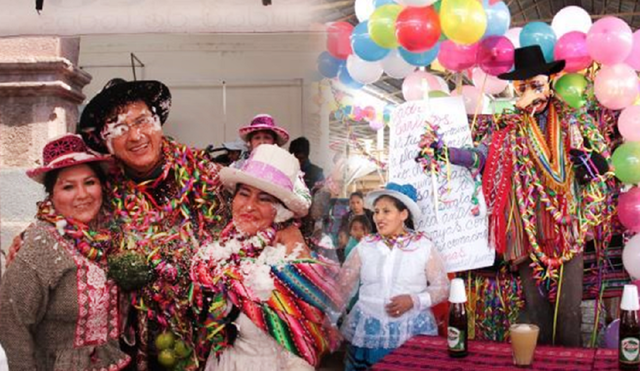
x: 273, y: 170
x: 264, y: 122
x: 64, y: 151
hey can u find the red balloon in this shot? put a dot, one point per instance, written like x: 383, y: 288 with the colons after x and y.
x: 418, y: 29
x: 339, y: 39
x: 495, y: 55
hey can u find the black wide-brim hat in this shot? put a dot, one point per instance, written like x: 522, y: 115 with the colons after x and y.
x: 118, y: 92
x: 530, y: 62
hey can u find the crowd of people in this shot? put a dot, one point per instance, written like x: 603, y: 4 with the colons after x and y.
x: 147, y: 254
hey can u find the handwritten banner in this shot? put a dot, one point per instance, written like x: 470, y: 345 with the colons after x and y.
x: 461, y: 237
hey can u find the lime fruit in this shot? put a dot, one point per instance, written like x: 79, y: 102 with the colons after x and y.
x: 165, y: 340
x: 167, y: 358
x: 181, y: 349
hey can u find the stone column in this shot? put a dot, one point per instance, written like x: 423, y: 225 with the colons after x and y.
x: 40, y: 90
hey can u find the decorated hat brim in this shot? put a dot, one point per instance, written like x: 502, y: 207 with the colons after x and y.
x: 527, y: 73
x: 408, y: 202
x: 282, y: 136
x: 231, y: 177
x: 38, y: 174
x: 154, y: 93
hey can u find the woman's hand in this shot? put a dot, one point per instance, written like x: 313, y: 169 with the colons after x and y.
x: 399, y: 305
x: 292, y: 239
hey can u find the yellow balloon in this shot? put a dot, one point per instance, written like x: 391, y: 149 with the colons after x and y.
x: 463, y: 21
x: 436, y: 66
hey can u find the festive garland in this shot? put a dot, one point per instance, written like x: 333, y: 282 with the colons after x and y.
x: 164, y: 219
x: 92, y: 243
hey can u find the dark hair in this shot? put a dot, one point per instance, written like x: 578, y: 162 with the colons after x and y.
x: 270, y: 132
x: 400, y: 206
x: 51, y: 177
x: 300, y: 145
x: 362, y: 219
x: 356, y: 194
x: 120, y: 103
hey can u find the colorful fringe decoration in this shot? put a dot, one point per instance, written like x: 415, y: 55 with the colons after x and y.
x: 494, y: 302
x: 294, y: 313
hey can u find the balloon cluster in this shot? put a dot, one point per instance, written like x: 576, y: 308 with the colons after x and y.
x: 396, y: 37
x: 376, y: 118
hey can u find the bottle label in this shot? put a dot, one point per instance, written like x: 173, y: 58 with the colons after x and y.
x: 455, y: 338
x: 630, y: 350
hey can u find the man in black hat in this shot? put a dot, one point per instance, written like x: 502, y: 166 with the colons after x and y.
x: 529, y: 166
x: 166, y: 199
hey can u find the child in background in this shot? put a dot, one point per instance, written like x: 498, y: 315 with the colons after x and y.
x: 358, y: 228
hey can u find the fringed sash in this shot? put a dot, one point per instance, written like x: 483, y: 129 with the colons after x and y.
x: 496, y: 185
x: 295, y: 314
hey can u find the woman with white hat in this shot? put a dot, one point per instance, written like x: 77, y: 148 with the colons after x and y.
x: 400, y: 276
x: 58, y: 309
x: 272, y: 295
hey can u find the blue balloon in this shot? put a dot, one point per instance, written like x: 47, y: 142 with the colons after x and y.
x: 379, y: 3
x: 328, y: 65
x: 539, y: 33
x: 420, y: 59
x: 498, y: 18
x: 347, y: 80
x: 364, y: 47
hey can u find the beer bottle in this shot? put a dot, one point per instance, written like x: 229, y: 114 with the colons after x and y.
x: 629, y: 333
x: 457, y: 329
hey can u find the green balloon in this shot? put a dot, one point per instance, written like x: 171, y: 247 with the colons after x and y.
x: 437, y: 94
x: 571, y: 88
x: 382, y: 25
x: 626, y: 162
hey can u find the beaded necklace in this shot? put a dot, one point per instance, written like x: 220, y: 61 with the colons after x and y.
x: 91, y: 243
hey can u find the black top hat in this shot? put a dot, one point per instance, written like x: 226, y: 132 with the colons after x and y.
x: 118, y: 92
x: 530, y: 62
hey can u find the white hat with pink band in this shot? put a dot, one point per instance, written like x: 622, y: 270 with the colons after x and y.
x: 273, y: 170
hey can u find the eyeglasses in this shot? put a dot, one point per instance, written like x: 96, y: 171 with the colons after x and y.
x: 522, y: 86
x: 118, y: 128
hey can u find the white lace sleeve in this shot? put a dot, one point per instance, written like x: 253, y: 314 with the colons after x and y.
x: 438, y: 283
x: 349, y: 277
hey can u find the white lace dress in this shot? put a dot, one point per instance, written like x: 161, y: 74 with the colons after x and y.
x: 414, y: 267
x: 254, y: 350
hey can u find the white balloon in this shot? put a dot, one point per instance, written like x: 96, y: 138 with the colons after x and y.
x: 631, y: 257
x: 364, y: 9
x: 513, y: 34
x: 571, y: 18
x: 362, y: 71
x: 416, y: 2
x: 491, y: 84
x: 395, y: 66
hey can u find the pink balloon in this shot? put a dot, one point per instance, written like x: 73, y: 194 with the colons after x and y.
x: 495, y: 55
x: 492, y: 84
x: 629, y: 123
x: 456, y: 57
x: 629, y: 209
x: 609, y: 40
x: 513, y: 34
x: 616, y: 86
x: 633, y: 59
x: 472, y: 97
x: 572, y: 47
x: 418, y: 84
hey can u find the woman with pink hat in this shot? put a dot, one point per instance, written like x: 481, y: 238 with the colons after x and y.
x: 58, y: 308
x: 270, y: 294
x: 263, y: 130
